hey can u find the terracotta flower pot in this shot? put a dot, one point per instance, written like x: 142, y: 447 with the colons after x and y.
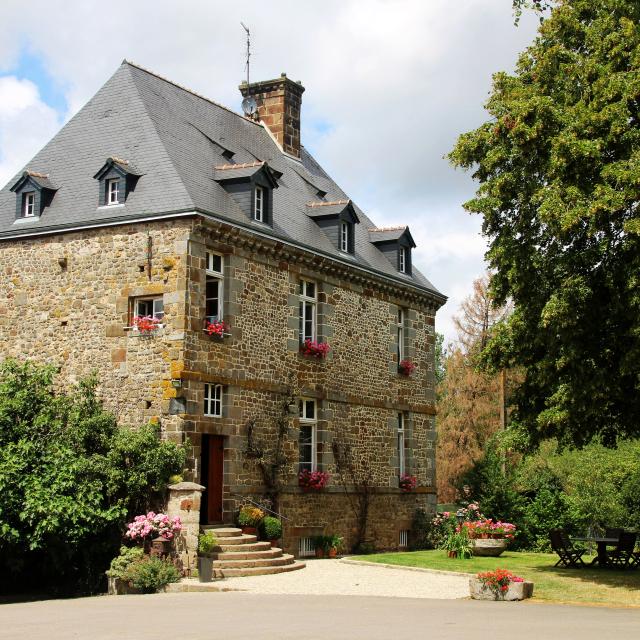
x: 333, y: 552
x: 452, y: 554
x: 251, y: 531
x: 319, y: 552
x: 274, y: 542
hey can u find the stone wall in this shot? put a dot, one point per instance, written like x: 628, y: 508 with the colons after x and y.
x: 67, y: 300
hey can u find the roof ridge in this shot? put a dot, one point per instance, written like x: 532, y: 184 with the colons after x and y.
x: 243, y: 165
x: 191, y: 91
x: 328, y: 204
x: 401, y: 227
x: 36, y: 174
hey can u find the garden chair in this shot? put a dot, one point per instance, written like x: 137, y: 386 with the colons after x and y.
x: 623, y: 555
x: 569, y: 556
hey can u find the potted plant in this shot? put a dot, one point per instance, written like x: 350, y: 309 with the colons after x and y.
x: 249, y: 518
x: 313, y: 480
x: 499, y: 584
x: 207, y: 543
x: 407, y: 482
x: 327, y: 546
x: 160, y: 526
x: 406, y: 367
x: 314, y: 349
x: 115, y: 573
x: 271, y: 530
x: 489, y: 538
x: 457, y: 544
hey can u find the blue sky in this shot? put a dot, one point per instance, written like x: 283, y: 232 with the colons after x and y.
x: 390, y: 84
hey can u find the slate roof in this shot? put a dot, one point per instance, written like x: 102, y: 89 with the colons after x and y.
x: 175, y: 139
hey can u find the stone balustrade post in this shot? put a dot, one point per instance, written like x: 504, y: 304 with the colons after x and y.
x: 184, y: 501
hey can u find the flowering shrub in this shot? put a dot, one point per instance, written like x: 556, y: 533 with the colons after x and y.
x: 315, y: 349
x: 315, y: 480
x: 498, y: 580
x: 489, y: 528
x: 146, y: 324
x: 250, y: 516
x: 406, y: 367
x: 408, y: 482
x: 153, y: 525
x: 217, y: 329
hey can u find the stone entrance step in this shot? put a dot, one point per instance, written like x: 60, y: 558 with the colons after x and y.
x: 234, y: 541
x: 251, y: 546
x: 258, y: 571
x: 221, y: 530
x: 248, y: 555
x: 284, y: 559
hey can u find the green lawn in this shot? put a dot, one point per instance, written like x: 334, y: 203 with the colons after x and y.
x: 588, y: 586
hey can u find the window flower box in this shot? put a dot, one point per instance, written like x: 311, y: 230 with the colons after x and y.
x: 217, y: 329
x: 146, y: 325
x: 313, y: 480
x: 407, y: 483
x: 314, y: 349
x: 406, y: 367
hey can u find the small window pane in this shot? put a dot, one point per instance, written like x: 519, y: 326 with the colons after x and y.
x: 214, y: 262
x: 158, y: 308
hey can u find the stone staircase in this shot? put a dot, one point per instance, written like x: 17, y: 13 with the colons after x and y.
x: 240, y: 554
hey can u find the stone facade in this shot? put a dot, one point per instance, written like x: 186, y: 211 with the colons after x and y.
x: 68, y: 299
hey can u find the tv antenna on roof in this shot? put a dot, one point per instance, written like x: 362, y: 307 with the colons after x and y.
x: 249, y: 105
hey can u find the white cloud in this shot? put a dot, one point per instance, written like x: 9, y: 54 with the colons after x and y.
x: 26, y: 123
x: 390, y: 86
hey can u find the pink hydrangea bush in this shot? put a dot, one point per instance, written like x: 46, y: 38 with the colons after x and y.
x: 153, y: 525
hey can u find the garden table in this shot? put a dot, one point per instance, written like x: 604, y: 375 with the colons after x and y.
x: 602, y: 543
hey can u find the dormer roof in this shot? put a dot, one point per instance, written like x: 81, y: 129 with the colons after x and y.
x: 245, y: 171
x: 38, y: 180
x: 391, y: 234
x: 336, y: 208
x: 123, y: 167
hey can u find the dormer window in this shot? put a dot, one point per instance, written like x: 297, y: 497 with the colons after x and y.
x: 337, y: 219
x: 118, y: 179
x: 258, y: 207
x: 396, y: 244
x: 402, y: 260
x: 34, y: 192
x: 29, y: 204
x: 251, y: 185
x: 113, y: 191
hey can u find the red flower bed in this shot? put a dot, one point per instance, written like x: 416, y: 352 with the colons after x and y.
x: 499, y: 580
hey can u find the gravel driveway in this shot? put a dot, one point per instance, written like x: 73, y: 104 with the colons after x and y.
x: 335, y: 577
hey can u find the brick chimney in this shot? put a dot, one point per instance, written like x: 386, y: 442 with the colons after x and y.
x: 279, y: 104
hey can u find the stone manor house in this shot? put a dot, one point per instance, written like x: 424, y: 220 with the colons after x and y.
x: 153, y: 201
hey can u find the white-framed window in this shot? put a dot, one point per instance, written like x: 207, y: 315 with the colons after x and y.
x: 308, y: 440
x: 113, y: 191
x: 259, y: 205
x: 149, y: 307
x: 213, y: 400
x: 214, y: 287
x: 306, y: 547
x: 401, y: 444
x: 402, y: 260
x: 308, y: 304
x: 344, y: 237
x: 29, y: 204
x: 400, y: 334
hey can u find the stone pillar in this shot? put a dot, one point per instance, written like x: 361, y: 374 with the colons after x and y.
x: 184, y: 501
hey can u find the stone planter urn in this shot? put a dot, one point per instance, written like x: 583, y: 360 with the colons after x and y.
x: 118, y: 587
x: 516, y: 591
x: 491, y: 547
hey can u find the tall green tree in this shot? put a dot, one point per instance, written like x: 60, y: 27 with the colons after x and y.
x: 559, y: 170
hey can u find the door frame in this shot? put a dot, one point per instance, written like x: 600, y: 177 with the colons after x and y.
x: 205, y: 461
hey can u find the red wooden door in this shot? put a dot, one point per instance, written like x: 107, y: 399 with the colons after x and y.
x: 214, y: 479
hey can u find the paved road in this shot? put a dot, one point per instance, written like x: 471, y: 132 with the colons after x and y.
x: 240, y: 616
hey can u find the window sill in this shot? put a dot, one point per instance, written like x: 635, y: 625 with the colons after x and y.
x: 110, y: 206
x: 26, y: 219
